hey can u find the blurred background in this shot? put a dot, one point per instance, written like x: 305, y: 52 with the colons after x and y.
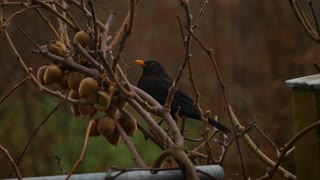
x: 257, y: 44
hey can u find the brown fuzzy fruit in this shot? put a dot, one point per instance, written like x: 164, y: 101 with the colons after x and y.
x: 63, y: 83
x: 112, y: 90
x: 40, y: 73
x: 83, y: 38
x: 94, y: 129
x: 106, y: 126
x: 74, y: 80
x: 85, y: 109
x: 103, y: 100
x: 114, y: 138
x: 53, y: 74
x: 88, y: 87
x: 57, y: 48
x: 73, y: 95
x: 120, y: 101
x: 128, y: 123
x: 112, y: 111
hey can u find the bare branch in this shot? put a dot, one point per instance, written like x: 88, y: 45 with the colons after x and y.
x: 15, y: 167
x: 263, y: 157
x: 295, y: 5
x: 291, y: 143
x: 84, y: 148
x: 14, y: 88
x: 146, y: 116
x: 105, y: 35
x: 130, y: 146
x: 225, y: 96
x: 203, y: 8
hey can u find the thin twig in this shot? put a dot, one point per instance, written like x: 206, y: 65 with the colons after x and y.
x: 265, y: 135
x: 295, y: 5
x: 13, y: 89
x: 162, y: 112
x: 64, y: 8
x: 203, y: 8
x: 148, y: 135
x: 315, y: 19
x: 263, y: 157
x: 187, y: 57
x: 84, y: 148
x: 180, y: 26
x: 6, y: 23
x: 130, y: 146
x: 57, y: 14
x: 118, y: 34
x: 105, y: 35
x: 147, y: 117
x: 174, y: 86
x: 15, y: 167
x: 95, y: 27
x: 225, y: 97
x: 50, y: 25
x: 127, y: 32
x: 29, y: 38
x: 291, y: 143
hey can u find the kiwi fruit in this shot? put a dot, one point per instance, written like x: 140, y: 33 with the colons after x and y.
x: 114, y: 138
x: 112, y: 90
x: 94, y: 129
x: 53, y: 74
x: 74, y: 80
x: 103, y: 100
x: 83, y: 38
x: 128, y: 123
x: 112, y: 111
x: 73, y: 95
x: 106, y: 126
x: 63, y: 83
x: 57, y: 48
x: 85, y: 109
x: 120, y: 101
x: 88, y: 87
x: 40, y: 73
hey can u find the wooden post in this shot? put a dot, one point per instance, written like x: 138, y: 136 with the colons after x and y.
x: 305, y: 111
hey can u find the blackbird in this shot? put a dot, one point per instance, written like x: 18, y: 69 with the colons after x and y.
x: 156, y: 82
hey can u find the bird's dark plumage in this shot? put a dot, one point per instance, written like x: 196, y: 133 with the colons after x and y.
x: 156, y: 82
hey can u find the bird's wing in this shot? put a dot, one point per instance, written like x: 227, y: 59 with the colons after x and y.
x: 179, y: 95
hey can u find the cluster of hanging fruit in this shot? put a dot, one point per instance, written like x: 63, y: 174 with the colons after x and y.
x: 101, y: 96
x: 106, y: 126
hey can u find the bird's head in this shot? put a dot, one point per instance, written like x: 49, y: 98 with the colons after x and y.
x: 151, y: 67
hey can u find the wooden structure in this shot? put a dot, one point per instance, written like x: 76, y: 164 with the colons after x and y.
x: 306, y: 110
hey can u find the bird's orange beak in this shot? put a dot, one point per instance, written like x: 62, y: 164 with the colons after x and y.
x: 140, y: 62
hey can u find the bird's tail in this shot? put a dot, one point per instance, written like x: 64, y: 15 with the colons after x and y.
x: 219, y: 126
